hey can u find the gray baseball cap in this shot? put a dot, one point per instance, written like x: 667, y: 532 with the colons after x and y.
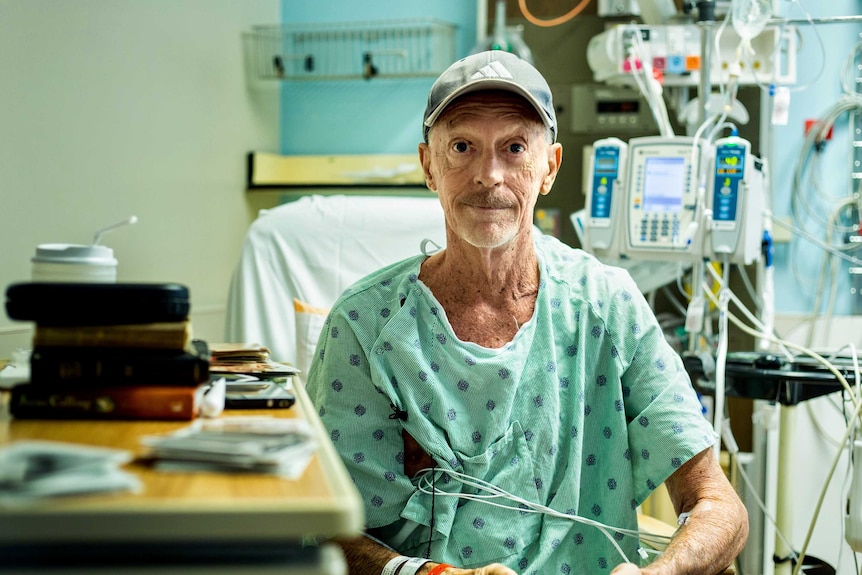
x: 492, y: 70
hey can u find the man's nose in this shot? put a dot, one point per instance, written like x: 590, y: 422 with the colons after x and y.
x: 489, y: 169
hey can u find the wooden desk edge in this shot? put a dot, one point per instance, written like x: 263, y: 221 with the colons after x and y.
x: 342, y: 514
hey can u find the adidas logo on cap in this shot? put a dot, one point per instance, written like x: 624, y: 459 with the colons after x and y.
x: 492, y: 70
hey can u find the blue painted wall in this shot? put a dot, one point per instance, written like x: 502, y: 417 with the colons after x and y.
x: 377, y: 116
x: 797, y: 265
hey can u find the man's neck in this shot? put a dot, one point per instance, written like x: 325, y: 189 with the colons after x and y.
x: 501, y: 276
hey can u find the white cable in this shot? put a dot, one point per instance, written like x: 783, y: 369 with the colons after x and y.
x: 753, y: 491
x: 718, y: 128
x: 639, y: 62
x: 822, y: 49
x: 842, y: 409
x: 815, y: 421
x: 817, y: 242
x: 800, y: 208
x: 751, y: 317
x: 716, y: 51
x: 425, y: 485
x: 749, y: 287
x: 721, y: 360
x: 850, y: 428
x: 849, y: 431
x: 829, y: 366
x: 847, y: 69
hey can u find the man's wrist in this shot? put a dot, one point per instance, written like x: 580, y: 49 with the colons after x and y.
x: 401, y: 565
x: 438, y: 569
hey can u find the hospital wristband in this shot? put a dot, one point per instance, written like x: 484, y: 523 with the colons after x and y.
x: 393, y: 564
x: 437, y: 569
x: 412, y: 565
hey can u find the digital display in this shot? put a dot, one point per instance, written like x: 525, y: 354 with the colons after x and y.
x: 664, y: 184
x: 619, y: 107
x: 606, y: 163
x: 729, y: 163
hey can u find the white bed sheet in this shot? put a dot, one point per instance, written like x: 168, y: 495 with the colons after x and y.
x: 312, y: 249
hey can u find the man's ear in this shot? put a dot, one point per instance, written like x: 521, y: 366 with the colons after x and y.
x: 555, y: 158
x: 425, y: 160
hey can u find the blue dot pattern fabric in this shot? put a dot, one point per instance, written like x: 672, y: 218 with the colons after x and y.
x: 585, y: 411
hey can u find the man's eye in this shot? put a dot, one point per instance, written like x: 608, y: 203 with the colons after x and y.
x: 461, y: 147
x: 516, y: 148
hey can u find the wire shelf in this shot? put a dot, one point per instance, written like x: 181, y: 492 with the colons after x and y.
x: 338, y: 51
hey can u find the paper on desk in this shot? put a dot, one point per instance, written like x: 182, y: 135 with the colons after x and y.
x: 261, y: 444
x: 33, y: 469
x: 17, y: 371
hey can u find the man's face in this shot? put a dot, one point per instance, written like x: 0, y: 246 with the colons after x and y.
x: 488, y: 158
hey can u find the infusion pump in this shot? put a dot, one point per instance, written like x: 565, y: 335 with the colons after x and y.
x: 671, y: 199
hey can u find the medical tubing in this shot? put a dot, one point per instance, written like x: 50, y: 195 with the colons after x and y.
x: 814, y: 355
x: 800, y: 232
x: 695, y: 148
x: 817, y: 133
x: 720, y: 127
x: 522, y: 4
x: 733, y: 450
x: 647, y: 85
x: 850, y: 430
x: 523, y: 506
x: 833, y: 294
x: 847, y: 68
x: 756, y: 299
x: 721, y: 360
x: 857, y: 374
x: 819, y: 42
x: 716, y: 50
x: 815, y: 421
x: 751, y: 317
x: 767, y: 311
x: 818, y: 294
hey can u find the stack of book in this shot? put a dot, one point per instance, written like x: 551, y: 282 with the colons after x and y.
x: 252, y: 379
x: 113, y: 364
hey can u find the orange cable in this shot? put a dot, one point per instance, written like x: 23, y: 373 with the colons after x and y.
x: 522, y: 4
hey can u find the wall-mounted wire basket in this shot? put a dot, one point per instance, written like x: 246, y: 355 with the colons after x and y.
x: 338, y: 51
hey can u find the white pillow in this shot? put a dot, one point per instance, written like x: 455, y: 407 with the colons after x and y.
x: 309, y: 323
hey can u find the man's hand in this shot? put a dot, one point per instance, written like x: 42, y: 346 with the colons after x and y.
x: 626, y: 569
x: 492, y: 569
x: 717, y: 526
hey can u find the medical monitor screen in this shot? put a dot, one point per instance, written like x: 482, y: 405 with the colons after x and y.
x: 606, y: 164
x: 664, y: 184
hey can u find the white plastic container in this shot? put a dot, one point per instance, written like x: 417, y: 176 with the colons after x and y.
x: 74, y: 263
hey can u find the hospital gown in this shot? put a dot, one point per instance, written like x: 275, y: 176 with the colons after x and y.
x: 582, y: 414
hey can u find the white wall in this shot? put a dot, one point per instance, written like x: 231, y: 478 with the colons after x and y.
x: 110, y: 108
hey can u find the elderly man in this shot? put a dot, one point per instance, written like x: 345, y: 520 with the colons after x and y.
x: 505, y: 404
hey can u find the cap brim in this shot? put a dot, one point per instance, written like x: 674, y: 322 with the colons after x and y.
x: 488, y: 84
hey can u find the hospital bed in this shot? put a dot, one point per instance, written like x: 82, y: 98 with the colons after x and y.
x: 299, y: 257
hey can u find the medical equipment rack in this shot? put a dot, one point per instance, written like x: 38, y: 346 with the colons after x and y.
x: 350, y: 50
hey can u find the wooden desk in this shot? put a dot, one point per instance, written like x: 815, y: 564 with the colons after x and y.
x: 185, y: 507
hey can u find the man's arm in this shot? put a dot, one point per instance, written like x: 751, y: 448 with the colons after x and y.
x: 367, y: 557
x: 717, y: 526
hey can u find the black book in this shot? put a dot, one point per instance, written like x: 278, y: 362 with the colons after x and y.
x: 94, y: 304
x: 107, y: 366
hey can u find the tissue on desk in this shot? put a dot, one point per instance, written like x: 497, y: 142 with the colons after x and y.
x: 32, y: 469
